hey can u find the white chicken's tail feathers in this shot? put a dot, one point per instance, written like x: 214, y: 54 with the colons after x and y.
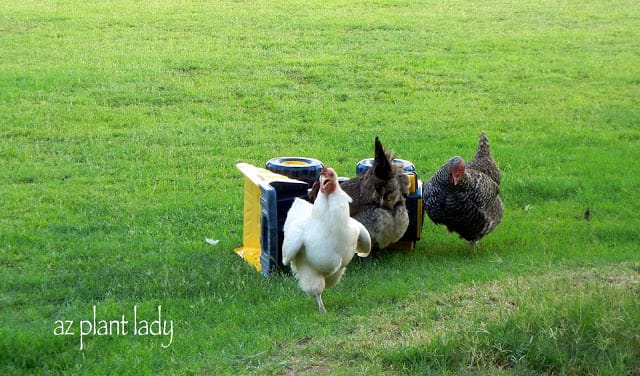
x: 363, y: 246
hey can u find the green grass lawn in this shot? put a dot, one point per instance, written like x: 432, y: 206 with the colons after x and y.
x: 121, y: 123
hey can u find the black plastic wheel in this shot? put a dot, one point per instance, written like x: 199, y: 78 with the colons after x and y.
x: 300, y: 168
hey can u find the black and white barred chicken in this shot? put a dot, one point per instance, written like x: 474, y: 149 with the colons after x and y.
x: 464, y: 196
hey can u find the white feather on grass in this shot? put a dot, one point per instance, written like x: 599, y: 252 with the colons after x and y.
x: 210, y: 241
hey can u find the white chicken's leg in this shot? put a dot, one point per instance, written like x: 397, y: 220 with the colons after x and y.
x: 320, y: 304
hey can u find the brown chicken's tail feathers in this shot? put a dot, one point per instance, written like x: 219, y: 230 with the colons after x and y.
x: 382, y: 167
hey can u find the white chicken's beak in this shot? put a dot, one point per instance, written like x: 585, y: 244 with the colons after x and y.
x: 323, y: 183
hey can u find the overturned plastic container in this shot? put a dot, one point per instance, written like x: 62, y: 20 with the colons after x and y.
x: 269, y: 193
x: 268, y: 196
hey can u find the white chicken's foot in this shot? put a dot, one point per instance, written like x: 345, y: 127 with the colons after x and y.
x: 320, y: 304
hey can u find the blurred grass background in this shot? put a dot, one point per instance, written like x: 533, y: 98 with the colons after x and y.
x: 122, y: 121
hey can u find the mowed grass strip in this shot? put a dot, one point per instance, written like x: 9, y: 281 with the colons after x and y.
x: 577, y: 322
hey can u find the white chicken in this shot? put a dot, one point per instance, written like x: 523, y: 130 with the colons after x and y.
x: 321, y: 239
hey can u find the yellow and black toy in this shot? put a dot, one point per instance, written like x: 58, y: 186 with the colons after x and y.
x: 269, y: 193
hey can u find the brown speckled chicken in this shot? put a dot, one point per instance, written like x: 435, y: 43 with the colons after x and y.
x: 379, y: 199
x: 464, y: 197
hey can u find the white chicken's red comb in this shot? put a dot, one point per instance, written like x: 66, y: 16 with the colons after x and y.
x: 327, y: 170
